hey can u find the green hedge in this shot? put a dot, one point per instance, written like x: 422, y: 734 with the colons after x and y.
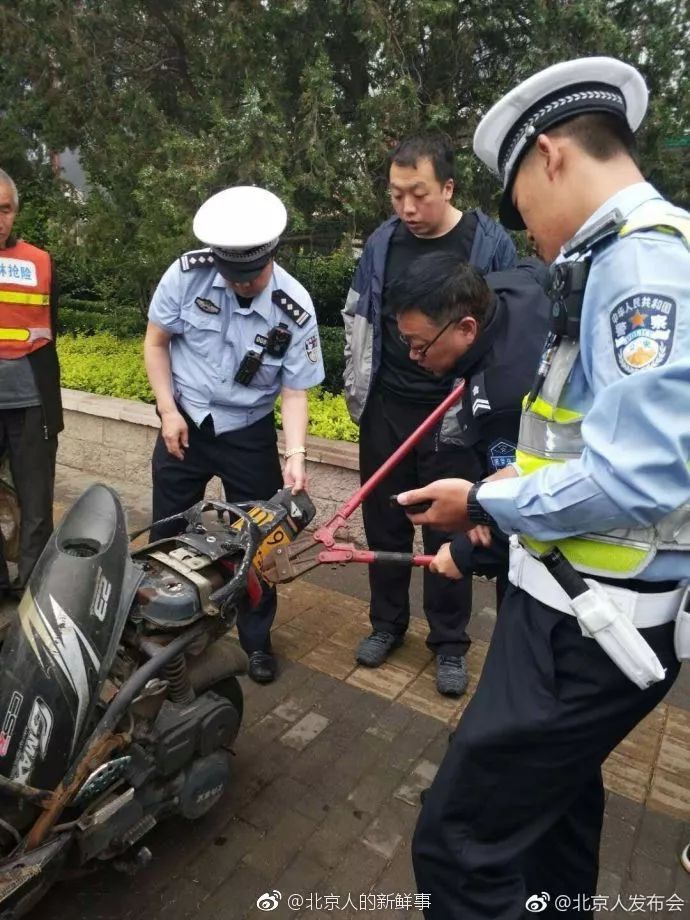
x: 128, y: 327
x: 91, y: 317
x: 326, y: 277
x: 328, y: 417
x: 102, y: 363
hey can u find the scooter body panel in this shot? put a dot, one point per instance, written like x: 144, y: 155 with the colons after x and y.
x: 61, y: 646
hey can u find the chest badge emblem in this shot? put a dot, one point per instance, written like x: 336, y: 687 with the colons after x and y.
x: 206, y: 305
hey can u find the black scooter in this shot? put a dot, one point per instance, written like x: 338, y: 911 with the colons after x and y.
x: 119, y: 698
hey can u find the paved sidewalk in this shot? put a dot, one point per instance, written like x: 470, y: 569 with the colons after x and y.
x: 328, y: 768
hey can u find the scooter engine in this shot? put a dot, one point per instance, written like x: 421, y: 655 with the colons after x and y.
x: 179, y: 765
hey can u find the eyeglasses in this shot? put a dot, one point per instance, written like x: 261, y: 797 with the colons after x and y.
x: 421, y: 350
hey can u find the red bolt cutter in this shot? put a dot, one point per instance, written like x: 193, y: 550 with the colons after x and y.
x: 286, y: 563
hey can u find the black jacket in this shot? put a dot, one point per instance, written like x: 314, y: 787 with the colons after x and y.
x: 499, y: 370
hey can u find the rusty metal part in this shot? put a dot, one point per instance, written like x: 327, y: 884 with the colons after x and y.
x: 96, y: 754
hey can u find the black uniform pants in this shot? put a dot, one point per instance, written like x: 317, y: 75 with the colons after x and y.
x: 247, y: 463
x: 32, y: 463
x: 386, y: 423
x: 517, y: 805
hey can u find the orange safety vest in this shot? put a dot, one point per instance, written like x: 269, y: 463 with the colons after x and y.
x: 25, y: 281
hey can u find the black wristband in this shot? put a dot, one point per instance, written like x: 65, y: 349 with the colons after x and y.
x: 475, y: 512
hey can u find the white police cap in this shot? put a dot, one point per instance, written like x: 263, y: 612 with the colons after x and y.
x: 548, y: 98
x: 242, y: 225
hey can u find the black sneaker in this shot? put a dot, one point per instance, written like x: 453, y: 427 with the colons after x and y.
x: 262, y: 667
x: 374, y: 650
x: 451, y: 675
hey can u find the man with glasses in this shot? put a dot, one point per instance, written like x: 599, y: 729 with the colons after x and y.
x: 490, y: 331
x: 419, y: 352
x: 389, y: 394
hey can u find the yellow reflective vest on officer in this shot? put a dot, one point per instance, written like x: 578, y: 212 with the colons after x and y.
x: 551, y: 430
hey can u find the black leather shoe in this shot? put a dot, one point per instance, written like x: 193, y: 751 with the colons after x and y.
x: 262, y: 667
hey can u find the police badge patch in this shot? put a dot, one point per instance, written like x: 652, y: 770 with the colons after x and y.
x: 642, y: 329
x: 311, y: 346
x: 206, y: 305
x: 501, y: 454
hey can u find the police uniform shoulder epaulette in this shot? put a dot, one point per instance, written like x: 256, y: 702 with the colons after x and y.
x: 591, y: 236
x: 290, y: 307
x: 199, y: 258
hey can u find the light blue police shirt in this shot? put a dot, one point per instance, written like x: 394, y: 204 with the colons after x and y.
x: 636, y: 431
x: 211, y: 333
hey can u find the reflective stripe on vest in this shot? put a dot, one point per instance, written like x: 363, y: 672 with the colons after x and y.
x: 33, y: 300
x: 551, y: 433
x: 25, y: 283
x: 655, y: 217
x: 548, y: 431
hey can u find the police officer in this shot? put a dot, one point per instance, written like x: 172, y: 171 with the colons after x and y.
x: 489, y: 331
x: 513, y: 819
x: 229, y: 331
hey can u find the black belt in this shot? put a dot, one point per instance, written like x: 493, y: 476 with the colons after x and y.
x: 642, y: 587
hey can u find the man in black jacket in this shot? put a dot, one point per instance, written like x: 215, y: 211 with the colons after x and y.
x: 490, y: 331
x: 30, y: 405
x: 389, y: 396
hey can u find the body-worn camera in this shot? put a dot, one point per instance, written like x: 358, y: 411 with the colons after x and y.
x: 569, y: 279
x: 567, y: 291
x: 278, y: 340
x: 249, y: 365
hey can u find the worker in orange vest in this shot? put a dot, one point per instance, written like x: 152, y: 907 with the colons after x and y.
x: 30, y: 404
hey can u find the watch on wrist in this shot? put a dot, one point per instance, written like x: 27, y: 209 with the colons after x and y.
x: 475, y: 512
